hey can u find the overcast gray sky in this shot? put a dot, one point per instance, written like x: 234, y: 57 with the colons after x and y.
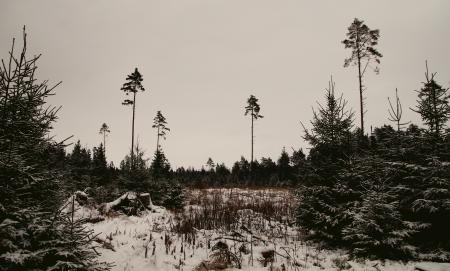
x: 202, y: 59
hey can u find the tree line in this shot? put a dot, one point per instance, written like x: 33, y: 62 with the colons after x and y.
x: 286, y: 171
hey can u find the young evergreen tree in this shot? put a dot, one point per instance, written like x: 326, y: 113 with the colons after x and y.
x: 253, y: 109
x: 298, y: 158
x: 433, y: 106
x: 385, y: 141
x: 323, y: 204
x: 330, y: 136
x: 75, y: 157
x: 132, y: 86
x: 268, y: 171
x: 99, y: 164
x: 80, y: 158
x: 160, y: 166
x: 79, y: 166
x: 134, y: 175
x: 98, y: 157
x: 29, y: 200
x: 164, y: 190
x: 210, y: 164
x: 323, y: 200
x: 376, y: 226
x: 159, y: 122
x: 407, y: 146
x: 241, y: 170
x: 76, y: 250
x: 222, y: 174
x: 298, y: 163
x: 104, y: 131
x: 430, y: 204
x: 362, y: 41
x: 284, y: 168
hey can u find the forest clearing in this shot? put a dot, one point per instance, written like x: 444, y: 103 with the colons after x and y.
x: 205, y: 135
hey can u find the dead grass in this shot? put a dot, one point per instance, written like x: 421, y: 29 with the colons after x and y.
x: 215, y: 208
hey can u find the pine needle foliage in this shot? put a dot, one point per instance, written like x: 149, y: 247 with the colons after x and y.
x: 33, y: 235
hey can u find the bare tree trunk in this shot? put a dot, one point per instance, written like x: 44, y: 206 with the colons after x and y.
x: 361, y: 96
x: 104, y: 144
x: 251, y: 159
x: 360, y: 88
x: 132, y: 131
x: 157, y: 141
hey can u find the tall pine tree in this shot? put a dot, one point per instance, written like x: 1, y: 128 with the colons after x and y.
x: 253, y: 109
x: 104, y: 131
x: 132, y: 86
x: 362, y: 41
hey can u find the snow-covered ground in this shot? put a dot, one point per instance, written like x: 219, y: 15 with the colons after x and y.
x: 154, y: 240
